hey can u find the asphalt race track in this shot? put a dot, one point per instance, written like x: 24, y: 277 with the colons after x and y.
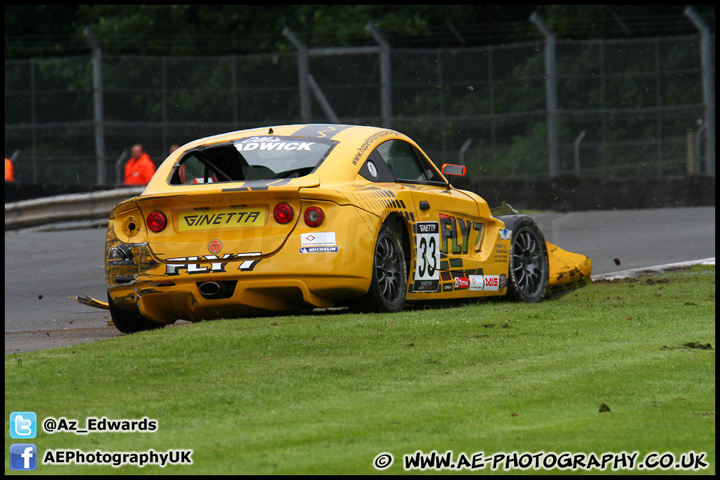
x: 44, y: 268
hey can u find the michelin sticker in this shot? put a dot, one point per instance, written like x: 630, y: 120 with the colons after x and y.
x: 505, y: 234
x: 319, y: 250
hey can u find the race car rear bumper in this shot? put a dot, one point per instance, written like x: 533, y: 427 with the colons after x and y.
x: 165, y: 302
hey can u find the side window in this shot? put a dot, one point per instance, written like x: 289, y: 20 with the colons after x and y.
x: 396, y: 160
x: 400, y: 158
x: 375, y: 170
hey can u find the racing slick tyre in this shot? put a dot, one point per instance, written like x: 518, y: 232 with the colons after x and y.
x: 529, y: 268
x: 389, y: 276
x: 129, y: 322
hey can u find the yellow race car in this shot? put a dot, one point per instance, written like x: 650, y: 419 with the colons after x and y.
x: 283, y: 218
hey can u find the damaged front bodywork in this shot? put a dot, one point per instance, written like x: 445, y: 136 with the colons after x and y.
x: 567, y: 270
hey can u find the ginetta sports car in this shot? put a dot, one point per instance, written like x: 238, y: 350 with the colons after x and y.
x: 283, y: 218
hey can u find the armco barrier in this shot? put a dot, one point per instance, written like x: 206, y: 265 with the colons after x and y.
x: 19, y: 191
x: 60, y: 208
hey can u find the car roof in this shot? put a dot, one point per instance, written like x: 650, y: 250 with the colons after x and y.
x: 313, y: 130
x: 354, y: 143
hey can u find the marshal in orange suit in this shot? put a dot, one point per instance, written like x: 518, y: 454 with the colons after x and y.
x: 139, y: 169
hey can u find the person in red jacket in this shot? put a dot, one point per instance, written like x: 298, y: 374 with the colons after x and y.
x: 9, y: 170
x: 139, y: 169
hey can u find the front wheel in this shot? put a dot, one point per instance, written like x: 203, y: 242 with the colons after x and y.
x: 529, y: 269
x: 389, y: 276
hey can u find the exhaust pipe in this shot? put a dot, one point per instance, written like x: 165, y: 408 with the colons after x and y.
x: 214, y: 290
x: 211, y: 289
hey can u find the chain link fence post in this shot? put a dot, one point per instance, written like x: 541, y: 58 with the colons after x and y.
x: 550, y: 94
x: 97, y: 105
x: 303, y: 71
x: 385, y: 75
x: 708, y: 87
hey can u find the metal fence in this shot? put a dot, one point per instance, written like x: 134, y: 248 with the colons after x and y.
x: 624, y: 108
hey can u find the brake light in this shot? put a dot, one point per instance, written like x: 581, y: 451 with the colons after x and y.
x: 314, y: 216
x: 156, y: 221
x: 283, y: 213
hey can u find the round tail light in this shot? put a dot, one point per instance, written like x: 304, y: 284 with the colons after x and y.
x: 156, y: 221
x: 283, y: 213
x: 314, y: 216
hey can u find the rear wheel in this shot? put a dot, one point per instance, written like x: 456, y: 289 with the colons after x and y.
x: 129, y: 322
x: 529, y: 270
x: 389, y: 277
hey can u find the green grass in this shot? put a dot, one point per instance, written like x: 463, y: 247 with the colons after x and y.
x: 326, y: 393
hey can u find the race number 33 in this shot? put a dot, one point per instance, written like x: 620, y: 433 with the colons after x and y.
x: 427, y: 256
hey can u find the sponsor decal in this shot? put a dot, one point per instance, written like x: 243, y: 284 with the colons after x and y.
x: 501, y: 252
x: 214, y: 219
x: 369, y: 141
x: 215, y: 245
x: 492, y: 283
x: 426, y: 286
x: 196, y: 265
x: 372, y: 169
x: 462, y: 282
x: 456, y: 232
x: 317, y: 239
x: 487, y: 283
x: 319, y: 250
x: 271, y: 143
x: 505, y: 234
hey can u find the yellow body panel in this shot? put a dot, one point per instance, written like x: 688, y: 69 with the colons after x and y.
x: 567, y: 270
x: 455, y: 248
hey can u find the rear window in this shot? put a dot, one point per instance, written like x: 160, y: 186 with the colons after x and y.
x: 254, y: 158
